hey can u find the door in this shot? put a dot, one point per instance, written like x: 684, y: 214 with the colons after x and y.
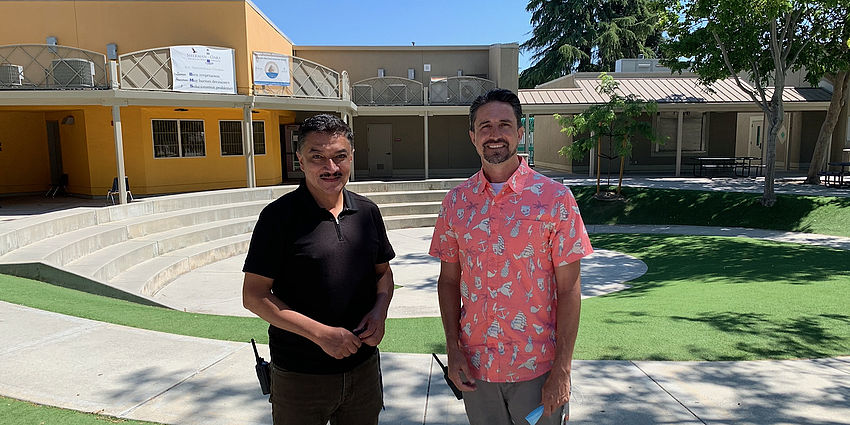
x: 379, y: 139
x: 755, y: 142
x: 54, y: 150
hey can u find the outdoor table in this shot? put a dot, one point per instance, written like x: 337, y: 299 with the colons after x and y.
x: 703, y: 164
x: 838, y: 175
x: 745, y: 163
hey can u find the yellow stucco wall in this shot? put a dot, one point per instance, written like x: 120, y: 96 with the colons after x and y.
x: 23, y: 159
x: 141, y: 25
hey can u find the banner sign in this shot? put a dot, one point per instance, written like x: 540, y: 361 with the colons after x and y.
x: 202, y: 69
x: 271, y: 69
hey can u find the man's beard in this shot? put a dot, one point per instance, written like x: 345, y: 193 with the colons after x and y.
x: 498, y: 156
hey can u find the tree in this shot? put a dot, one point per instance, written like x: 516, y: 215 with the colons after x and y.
x: 764, y: 38
x: 830, y: 57
x: 619, y: 119
x: 588, y: 35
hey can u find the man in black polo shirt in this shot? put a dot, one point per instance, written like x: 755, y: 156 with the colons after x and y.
x: 318, y: 271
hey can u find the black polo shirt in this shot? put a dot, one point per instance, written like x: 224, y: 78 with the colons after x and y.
x: 322, y: 267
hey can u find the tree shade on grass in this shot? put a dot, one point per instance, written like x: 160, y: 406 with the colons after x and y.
x: 703, y: 298
x: 811, y: 214
x: 16, y: 412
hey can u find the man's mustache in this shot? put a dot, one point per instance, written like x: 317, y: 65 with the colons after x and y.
x: 326, y: 175
x: 496, y: 141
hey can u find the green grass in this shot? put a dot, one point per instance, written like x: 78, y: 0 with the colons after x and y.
x: 811, y: 214
x: 703, y: 298
x: 16, y: 412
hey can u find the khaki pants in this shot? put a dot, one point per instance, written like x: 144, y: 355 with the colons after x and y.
x: 350, y: 398
x: 506, y: 403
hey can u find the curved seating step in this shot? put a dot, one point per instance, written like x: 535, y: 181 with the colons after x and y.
x: 150, y: 276
x: 409, y: 208
x: 409, y: 221
x: 110, y: 261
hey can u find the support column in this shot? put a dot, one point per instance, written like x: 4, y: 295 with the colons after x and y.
x: 426, y: 144
x: 349, y: 119
x: 119, y: 153
x: 248, y: 144
x: 592, y: 159
x: 679, y: 144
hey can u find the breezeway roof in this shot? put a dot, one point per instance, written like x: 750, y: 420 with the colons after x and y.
x: 666, y: 91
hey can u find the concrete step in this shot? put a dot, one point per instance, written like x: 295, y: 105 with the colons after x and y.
x: 68, y: 246
x: 110, y: 261
x: 407, y: 196
x: 410, y: 221
x: 150, y: 276
x: 409, y: 208
x: 34, y: 229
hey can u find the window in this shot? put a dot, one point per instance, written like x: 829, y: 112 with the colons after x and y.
x: 178, y: 138
x: 666, y: 126
x: 231, y: 137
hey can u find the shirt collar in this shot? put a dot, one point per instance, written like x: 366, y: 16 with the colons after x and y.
x: 517, y: 181
x: 349, y: 204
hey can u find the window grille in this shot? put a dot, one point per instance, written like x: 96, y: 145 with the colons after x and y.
x: 178, y: 138
x: 231, y: 137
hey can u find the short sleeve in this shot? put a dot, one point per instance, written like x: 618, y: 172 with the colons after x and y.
x: 385, y: 249
x: 264, y: 252
x: 571, y: 241
x: 443, y: 243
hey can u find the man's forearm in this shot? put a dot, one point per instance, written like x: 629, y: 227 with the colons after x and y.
x: 271, y: 309
x: 385, y: 289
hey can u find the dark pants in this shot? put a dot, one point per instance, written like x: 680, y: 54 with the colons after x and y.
x: 350, y: 398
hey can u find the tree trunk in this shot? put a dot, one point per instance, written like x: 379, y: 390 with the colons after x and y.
x: 775, y: 116
x: 822, y: 146
x: 622, y: 164
x: 598, y: 162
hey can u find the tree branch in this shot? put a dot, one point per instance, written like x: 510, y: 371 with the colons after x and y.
x: 732, y: 70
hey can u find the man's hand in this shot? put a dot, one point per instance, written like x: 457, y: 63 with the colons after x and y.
x: 556, y: 391
x: 371, y: 328
x: 459, y: 370
x: 338, y: 342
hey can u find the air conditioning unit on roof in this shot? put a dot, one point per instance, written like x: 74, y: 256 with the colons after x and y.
x: 72, y: 72
x: 11, y: 75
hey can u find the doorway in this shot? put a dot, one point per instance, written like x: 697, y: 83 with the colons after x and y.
x: 755, y: 141
x: 379, y: 139
x: 54, y: 150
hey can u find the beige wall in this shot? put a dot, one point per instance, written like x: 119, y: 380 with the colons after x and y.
x: 363, y: 63
x: 504, y: 66
x: 548, y: 140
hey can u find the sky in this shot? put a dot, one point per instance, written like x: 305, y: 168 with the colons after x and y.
x: 400, y: 22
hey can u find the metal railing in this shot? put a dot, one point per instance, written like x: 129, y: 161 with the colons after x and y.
x: 51, y: 67
x: 308, y: 79
x: 387, y: 91
x: 346, y: 86
x: 458, y: 90
x: 146, y: 70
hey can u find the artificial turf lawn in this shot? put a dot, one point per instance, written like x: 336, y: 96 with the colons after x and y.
x: 16, y: 412
x: 811, y: 214
x: 703, y: 298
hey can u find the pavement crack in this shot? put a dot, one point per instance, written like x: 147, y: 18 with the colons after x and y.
x: 668, y: 393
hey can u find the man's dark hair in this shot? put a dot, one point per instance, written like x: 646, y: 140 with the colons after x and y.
x: 324, y: 123
x: 495, y: 95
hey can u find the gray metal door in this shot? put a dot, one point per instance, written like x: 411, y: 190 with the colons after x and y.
x: 54, y: 149
x: 380, y: 142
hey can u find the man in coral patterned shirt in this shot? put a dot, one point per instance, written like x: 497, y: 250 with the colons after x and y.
x: 510, y: 242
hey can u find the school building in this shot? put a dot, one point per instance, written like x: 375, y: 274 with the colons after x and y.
x: 194, y: 95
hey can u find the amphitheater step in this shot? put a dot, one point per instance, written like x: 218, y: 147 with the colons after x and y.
x: 408, y: 221
x: 150, y: 276
x: 381, y: 198
x: 409, y: 208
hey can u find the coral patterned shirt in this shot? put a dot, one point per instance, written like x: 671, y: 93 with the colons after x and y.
x: 508, y: 245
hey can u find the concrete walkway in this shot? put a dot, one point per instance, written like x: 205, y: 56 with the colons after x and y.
x: 92, y: 366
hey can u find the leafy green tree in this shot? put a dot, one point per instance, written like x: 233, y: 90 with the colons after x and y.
x: 619, y: 119
x: 588, y: 35
x: 764, y: 38
x: 829, y: 57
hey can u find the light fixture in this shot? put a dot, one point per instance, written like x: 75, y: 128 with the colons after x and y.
x: 68, y: 120
x: 180, y: 110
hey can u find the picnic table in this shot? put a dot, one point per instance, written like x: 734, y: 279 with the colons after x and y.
x: 837, y: 175
x: 738, y: 166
